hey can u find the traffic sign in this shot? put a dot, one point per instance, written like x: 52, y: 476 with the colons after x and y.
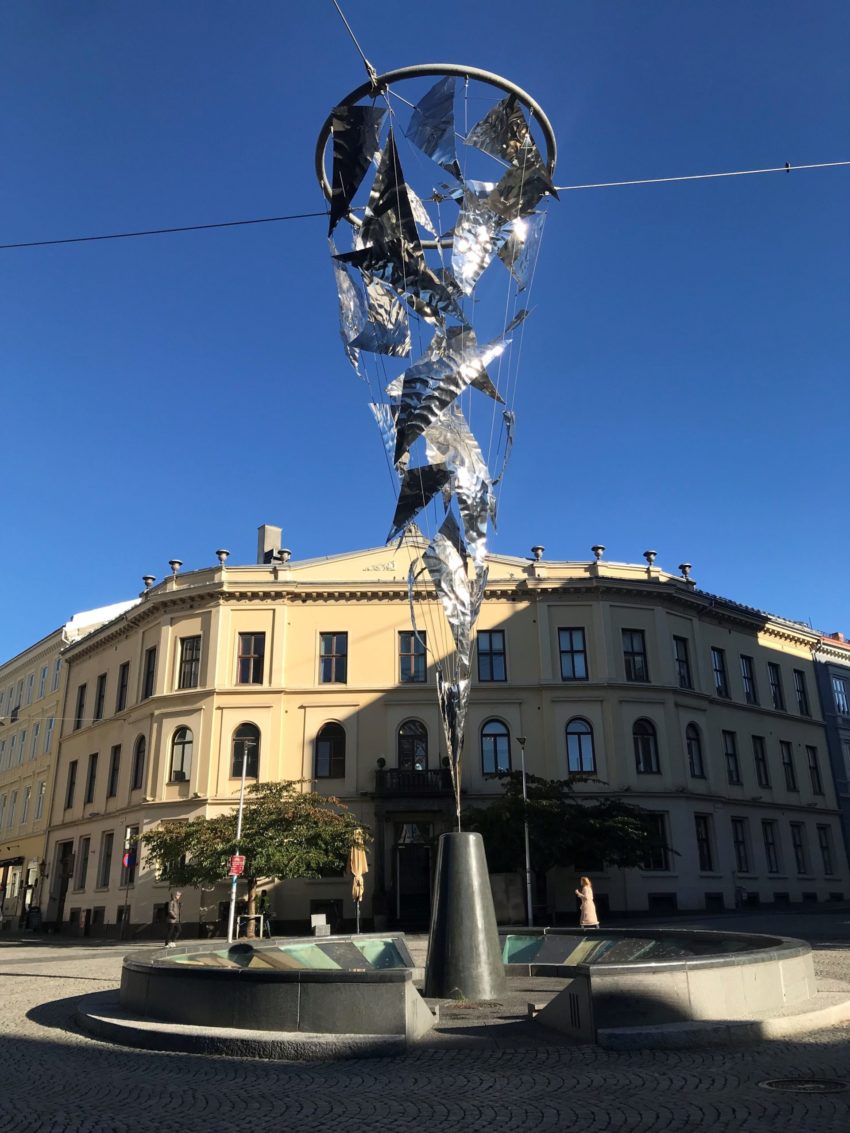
x: 237, y: 865
x: 129, y: 859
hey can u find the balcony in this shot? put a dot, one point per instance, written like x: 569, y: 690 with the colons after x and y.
x: 393, y: 782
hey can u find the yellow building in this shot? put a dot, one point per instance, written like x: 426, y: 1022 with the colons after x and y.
x: 697, y: 708
x: 31, y: 697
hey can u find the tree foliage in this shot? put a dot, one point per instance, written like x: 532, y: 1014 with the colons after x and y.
x: 286, y: 833
x: 563, y: 831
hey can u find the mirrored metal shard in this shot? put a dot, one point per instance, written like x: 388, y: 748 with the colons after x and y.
x: 456, y: 343
x: 503, y: 133
x: 387, y: 328
x: 432, y: 125
x: 478, y: 235
x: 519, y: 252
x: 356, y: 139
x: 448, y: 574
x: 450, y: 440
x: 420, y: 213
x: 385, y: 419
x: 519, y: 192
x: 418, y: 488
x: 352, y: 309
x: 432, y: 384
x: 453, y: 697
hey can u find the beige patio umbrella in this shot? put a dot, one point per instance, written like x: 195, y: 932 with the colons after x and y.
x: 358, y: 866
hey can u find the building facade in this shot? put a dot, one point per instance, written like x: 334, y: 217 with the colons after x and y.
x: 625, y: 677
x: 32, y: 693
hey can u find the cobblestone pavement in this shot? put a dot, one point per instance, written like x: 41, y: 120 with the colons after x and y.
x: 55, y: 1080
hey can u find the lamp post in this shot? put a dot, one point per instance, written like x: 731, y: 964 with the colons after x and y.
x: 234, y: 877
x: 521, y: 741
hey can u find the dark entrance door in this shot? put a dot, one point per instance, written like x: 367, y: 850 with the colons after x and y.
x: 413, y: 873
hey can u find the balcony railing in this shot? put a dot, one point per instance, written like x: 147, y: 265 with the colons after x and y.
x: 395, y: 781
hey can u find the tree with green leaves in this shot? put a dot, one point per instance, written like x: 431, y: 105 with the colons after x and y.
x: 286, y: 833
x: 563, y: 830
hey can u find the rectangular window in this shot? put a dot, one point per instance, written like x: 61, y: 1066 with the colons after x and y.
x: 123, y: 682
x: 190, y: 662
x: 99, y: 696
x: 774, y: 674
x: 104, y: 866
x: 114, y: 771
x: 730, y: 752
x: 13, y: 806
x: 656, y: 859
x: 412, y: 664
x: 137, y: 780
x: 740, y: 841
x: 718, y: 668
x: 83, y: 851
x: 683, y: 662
x: 57, y: 671
x: 788, y: 765
x: 81, y: 707
x: 839, y: 693
x: 760, y: 760
x: 41, y: 790
x: 802, y: 693
x: 748, y: 676
x: 705, y: 849
x: 91, y: 779
x: 42, y: 682
x: 71, y: 785
x: 491, y: 655
x: 634, y: 655
x: 25, y: 808
x: 333, y: 658
x: 798, y: 841
x: 825, y: 845
x: 36, y: 728
x: 250, y: 658
x: 48, y: 735
x: 149, y: 673
x: 814, y: 770
x: 771, y: 846
x: 2, y: 809
x: 573, y: 650
x: 28, y: 690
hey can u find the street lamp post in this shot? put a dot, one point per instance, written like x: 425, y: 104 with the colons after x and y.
x: 521, y: 741
x: 234, y: 877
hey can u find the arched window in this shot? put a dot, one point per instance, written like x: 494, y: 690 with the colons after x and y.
x: 693, y: 743
x: 246, y: 742
x: 330, y: 752
x: 138, y: 778
x: 181, y: 755
x: 495, y: 748
x: 413, y: 746
x: 581, y: 759
x: 646, y: 748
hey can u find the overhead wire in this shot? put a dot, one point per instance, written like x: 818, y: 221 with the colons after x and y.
x: 324, y: 212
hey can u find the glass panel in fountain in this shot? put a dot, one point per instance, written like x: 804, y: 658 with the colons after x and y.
x: 331, y: 955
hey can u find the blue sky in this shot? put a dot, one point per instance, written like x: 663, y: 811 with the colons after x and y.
x: 683, y: 377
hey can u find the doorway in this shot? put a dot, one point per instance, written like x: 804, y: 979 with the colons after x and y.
x: 413, y: 873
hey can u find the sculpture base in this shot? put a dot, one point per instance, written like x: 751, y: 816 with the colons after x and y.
x: 464, y: 953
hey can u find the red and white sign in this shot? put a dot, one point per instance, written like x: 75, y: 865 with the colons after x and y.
x: 237, y: 865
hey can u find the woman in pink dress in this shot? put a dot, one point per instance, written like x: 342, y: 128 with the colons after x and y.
x: 587, y: 917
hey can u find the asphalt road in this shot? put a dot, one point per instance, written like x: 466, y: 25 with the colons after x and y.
x: 56, y: 1080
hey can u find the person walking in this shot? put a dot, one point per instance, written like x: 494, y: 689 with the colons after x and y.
x: 587, y: 916
x: 172, y: 918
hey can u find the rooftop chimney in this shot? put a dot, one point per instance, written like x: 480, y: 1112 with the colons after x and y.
x: 268, y: 542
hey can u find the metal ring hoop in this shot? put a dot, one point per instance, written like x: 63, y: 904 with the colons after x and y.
x: 419, y: 71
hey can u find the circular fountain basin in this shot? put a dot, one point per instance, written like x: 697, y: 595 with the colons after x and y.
x: 651, y: 977
x: 353, y: 985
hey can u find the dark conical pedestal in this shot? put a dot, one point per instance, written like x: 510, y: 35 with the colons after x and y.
x: 464, y: 957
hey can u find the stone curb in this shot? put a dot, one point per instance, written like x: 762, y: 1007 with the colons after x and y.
x: 101, y: 1016
x: 678, y: 1036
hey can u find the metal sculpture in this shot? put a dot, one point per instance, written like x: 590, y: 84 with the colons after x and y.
x: 405, y: 265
